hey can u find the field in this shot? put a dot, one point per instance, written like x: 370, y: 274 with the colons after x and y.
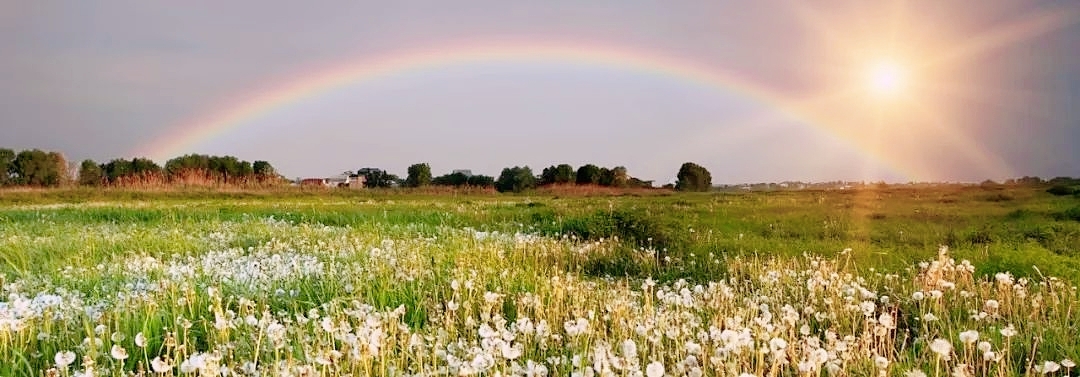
x: 962, y: 281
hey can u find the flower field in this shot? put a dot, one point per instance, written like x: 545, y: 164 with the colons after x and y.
x: 255, y: 289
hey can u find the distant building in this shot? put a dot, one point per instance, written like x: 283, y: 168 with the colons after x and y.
x: 347, y: 180
x: 313, y: 182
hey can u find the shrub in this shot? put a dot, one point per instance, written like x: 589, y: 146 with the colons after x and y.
x: 1073, y: 213
x: 515, y: 179
x: 1062, y: 190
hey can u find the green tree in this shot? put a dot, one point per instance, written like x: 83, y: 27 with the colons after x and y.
x: 377, y: 178
x: 263, y: 169
x: 90, y: 173
x: 7, y: 166
x: 515, y: 179
x: 39, y: 168
x: 144, y: 167
x: 588, y: 174
x: 561, y: 174
x: 116, y: 168
x: 481, y: 181
x: 419, y: 175
x: 637, y: 183
x: 616, y: 177
x: 693, y: 177
x: 452, y: 179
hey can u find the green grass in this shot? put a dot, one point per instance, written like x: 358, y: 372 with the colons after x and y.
x: 147, y: 262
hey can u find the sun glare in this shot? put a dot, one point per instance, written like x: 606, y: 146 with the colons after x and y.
x: 886, y: 78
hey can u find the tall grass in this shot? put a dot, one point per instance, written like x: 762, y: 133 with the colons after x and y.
x: 403, y: 283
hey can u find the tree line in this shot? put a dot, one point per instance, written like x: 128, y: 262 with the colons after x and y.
x: 691, y: 177
x: 34, y: 167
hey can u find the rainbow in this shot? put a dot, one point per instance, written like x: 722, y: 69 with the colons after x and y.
x: 181, y: 138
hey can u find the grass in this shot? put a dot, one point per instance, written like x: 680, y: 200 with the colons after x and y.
x: 288, y: 282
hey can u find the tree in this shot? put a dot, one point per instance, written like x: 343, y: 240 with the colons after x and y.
x: 693, y: 177
x: 515, y: 179
x: 263, y: 170
x: 588, y: 174
x: 637, y: 183
x: 481, y: 181
x: 419, y: 175
x: 560, y: 174
x: 377, y: 178
x: 616, y: 177
x: 90, y: 173
x: 144, y: 167
x: 116, y: 169
x: 452, y: 179
x: 7, y: 166
x: 62, y: 176
x: 39, y: 168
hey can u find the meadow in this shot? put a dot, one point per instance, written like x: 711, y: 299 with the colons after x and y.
x: 962, y: 281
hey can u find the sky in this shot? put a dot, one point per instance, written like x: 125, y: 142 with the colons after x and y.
x: 755, y: 91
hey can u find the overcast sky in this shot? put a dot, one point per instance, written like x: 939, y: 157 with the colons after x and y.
x: 983, y: 88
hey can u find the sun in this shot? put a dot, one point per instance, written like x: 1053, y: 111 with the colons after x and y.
x: 886, y: 78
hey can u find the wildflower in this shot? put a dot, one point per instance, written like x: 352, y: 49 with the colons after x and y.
x: 63, y: 359
x: 511, y: 352
x: 1068, y: 363
x: 941, y: 347
x: 984, y: 346
x: 578, y: 327
x: 881, y: 362
x: 193, y: 363
x: 140, y: 340
x: 118, y: 352
x: 1008, y: 331
x: 969, y: 337
x: 534, y: 369
x: 1004, y: 278
x: 655, y: 369
x: 777, y: 344
x: 1048, y: 367
x: 487, y: 332
x: 160, y: 366
x: 117, y: 337
x: 693, y: 348
x: 868, y: 308
x: 914, y: 373
x: 629, y: 348
x: 929, y: 317
x: 887, y: 320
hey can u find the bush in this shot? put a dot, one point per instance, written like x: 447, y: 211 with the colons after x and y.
x: 1073, y: 213
x: 1062, y: 190
x: 997, y: 197
x: 635, y: 227
x: 515, y: 179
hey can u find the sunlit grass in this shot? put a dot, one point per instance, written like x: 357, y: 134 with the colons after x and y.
x: 519, y: 286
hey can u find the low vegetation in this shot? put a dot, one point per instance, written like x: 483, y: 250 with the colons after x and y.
x: 892, y: 282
